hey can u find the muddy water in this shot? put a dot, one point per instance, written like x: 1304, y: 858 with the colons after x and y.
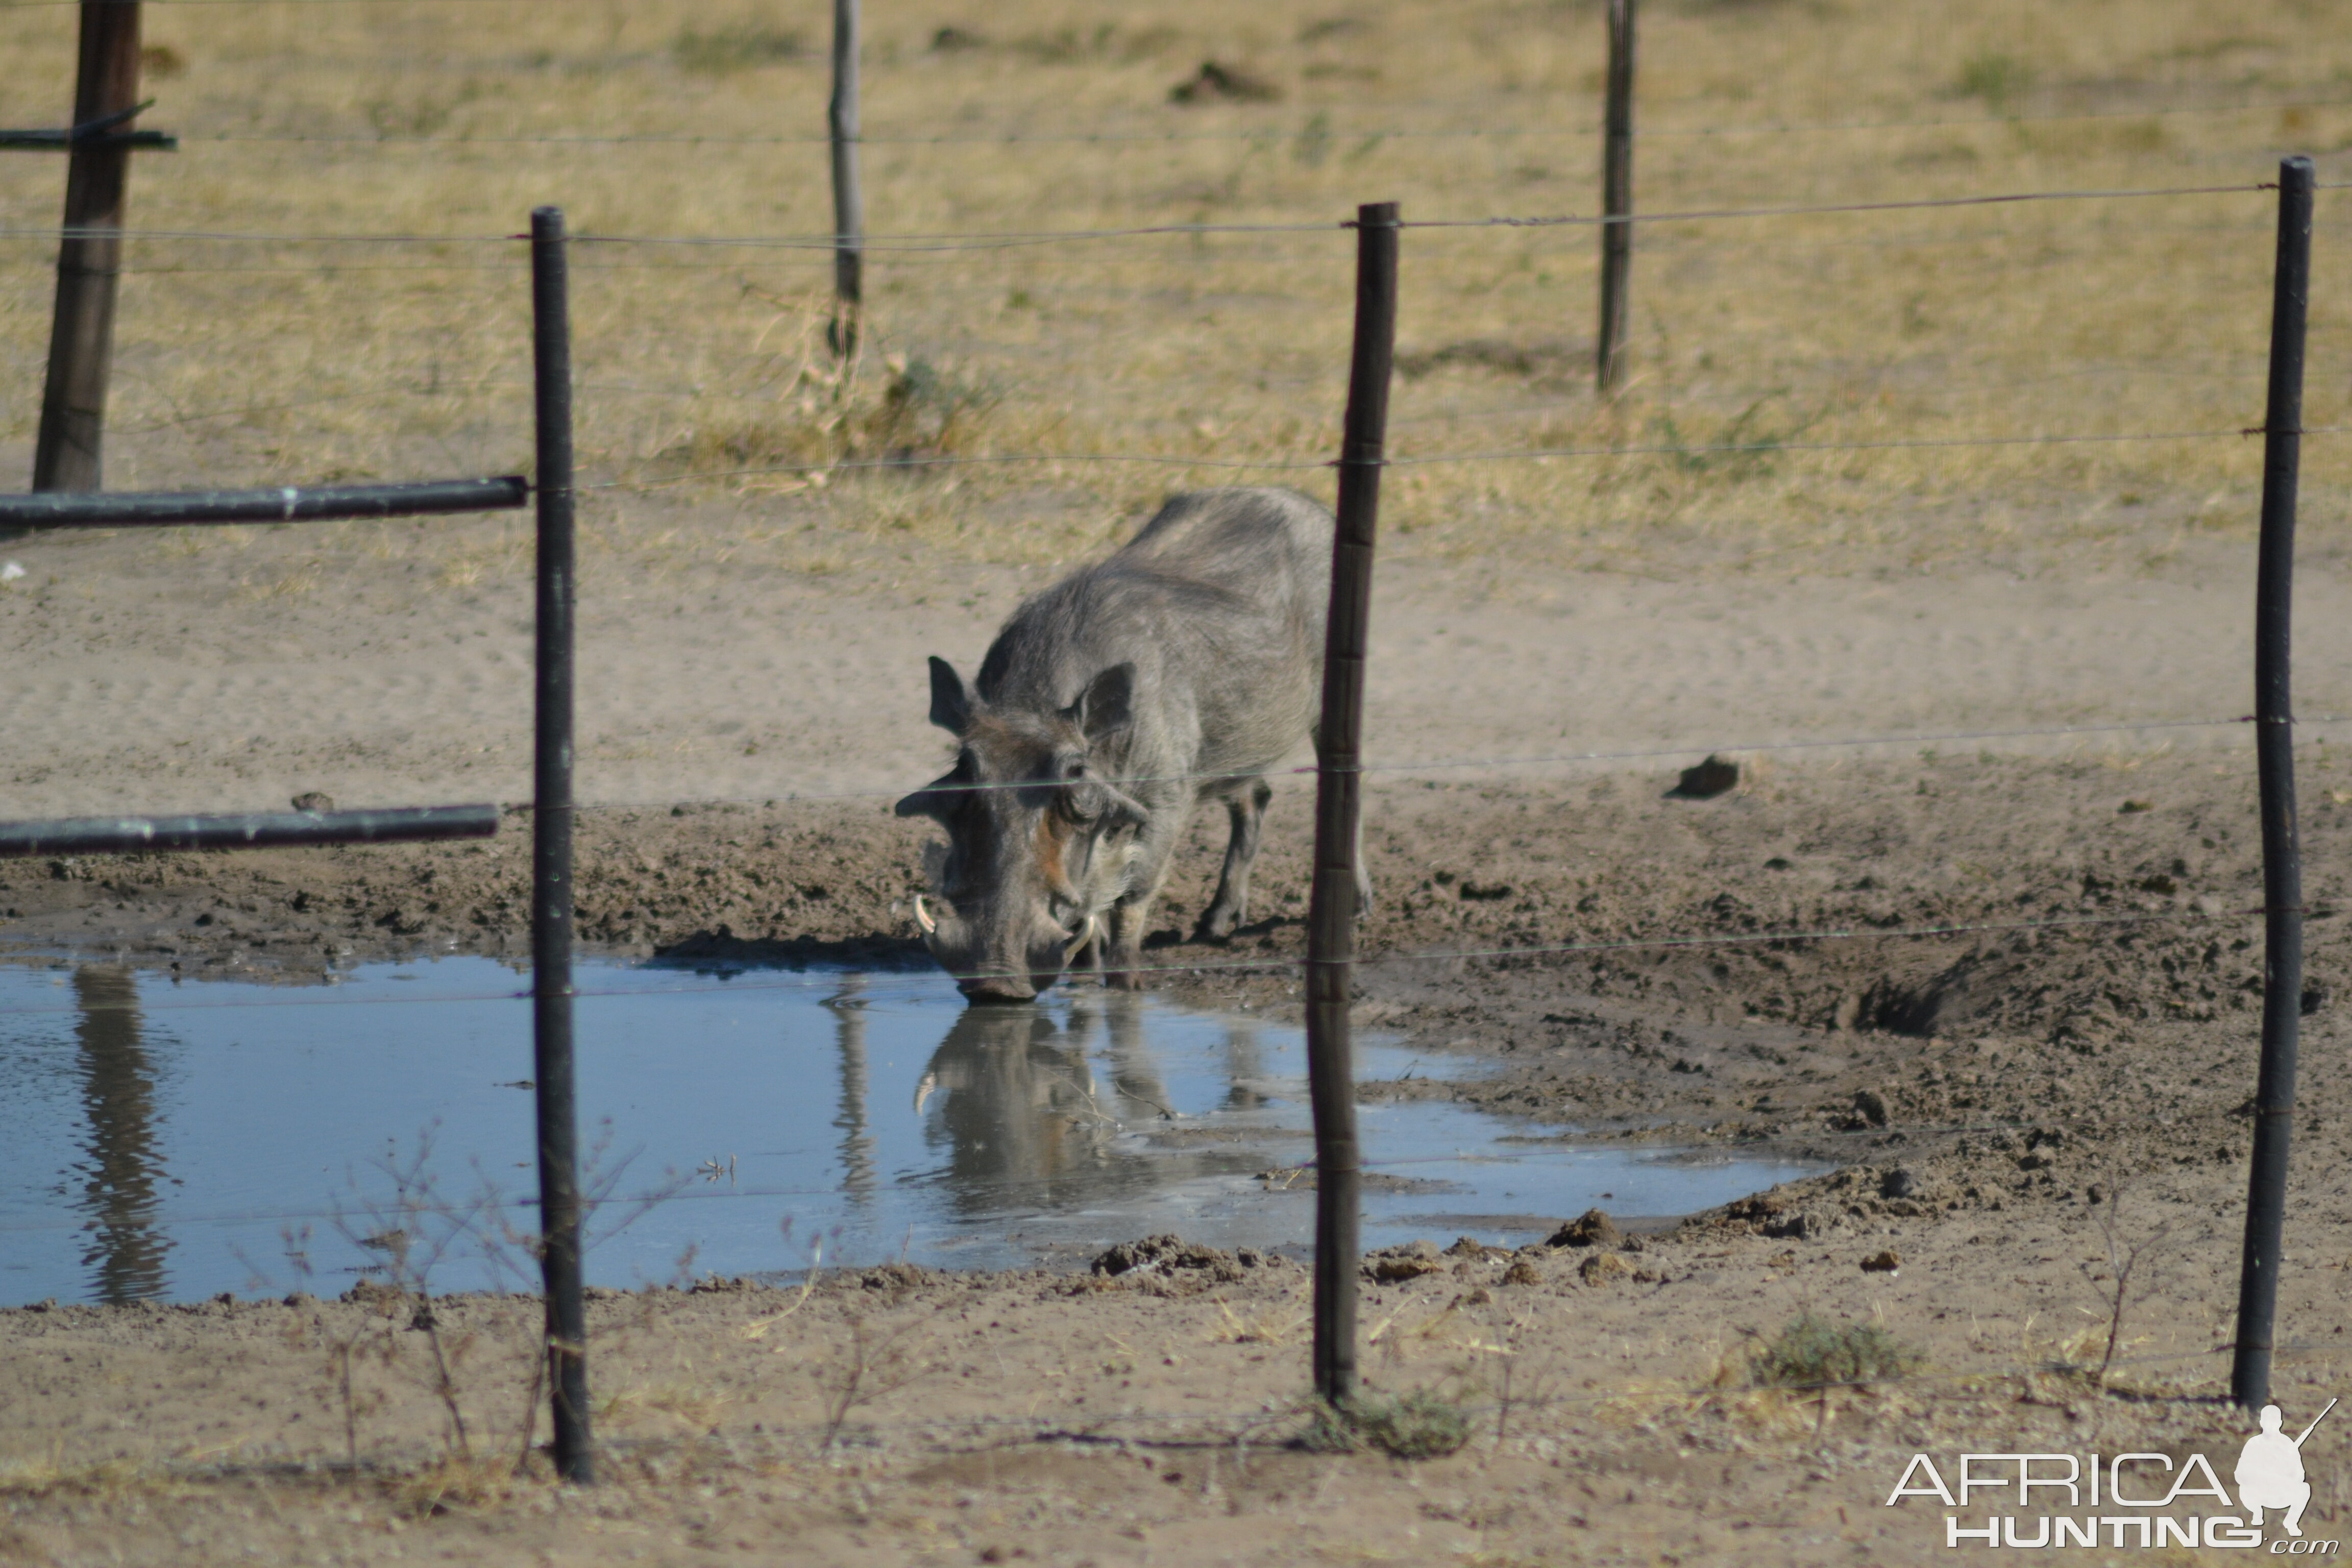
x: 173, y: 1140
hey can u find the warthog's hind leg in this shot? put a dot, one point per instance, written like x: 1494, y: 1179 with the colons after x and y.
x: 1231, y: 906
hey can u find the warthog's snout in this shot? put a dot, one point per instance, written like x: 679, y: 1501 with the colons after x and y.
x: 982, y: 970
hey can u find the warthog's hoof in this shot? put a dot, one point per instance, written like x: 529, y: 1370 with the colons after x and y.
x: 1216, y: 926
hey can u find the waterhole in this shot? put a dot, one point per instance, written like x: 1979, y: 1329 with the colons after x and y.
x: 171, y: 1140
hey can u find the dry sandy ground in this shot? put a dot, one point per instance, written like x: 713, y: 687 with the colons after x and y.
x: 2004, y: 1100
x: 389, y: 665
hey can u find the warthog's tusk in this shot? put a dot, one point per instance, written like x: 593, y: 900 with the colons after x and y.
x: 1087, y: 933
x: 923, y: 917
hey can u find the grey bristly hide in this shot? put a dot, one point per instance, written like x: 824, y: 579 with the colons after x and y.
x: 1178, y: 671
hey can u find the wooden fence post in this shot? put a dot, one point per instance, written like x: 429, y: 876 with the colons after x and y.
x: 2250, y: 1367
x: 1338, y: 809
x: 66, y: 454
x: 848, y: 200
x: 550, y: 861
x: 1616, y: 202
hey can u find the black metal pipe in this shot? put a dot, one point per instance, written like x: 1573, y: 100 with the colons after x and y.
x: 2250, y: 1367
x: 1616, y: 201
x: 247, y: 830
x: 551, y: 862
x: 848, y: 195
x: 66, y: 141
x: 1339, y: 809
x: 284, y: 503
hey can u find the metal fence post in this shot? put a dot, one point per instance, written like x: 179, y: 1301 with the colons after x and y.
x: 848, y: 199
x: 1338, y: 809
x: 2250, y: 1368
x: 67, y: 452
x: 1616, y: 202
x: 551, y: 868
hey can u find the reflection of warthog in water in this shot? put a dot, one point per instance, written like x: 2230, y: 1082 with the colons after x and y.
x: 1021, y: 1107
x: 1179, y: 670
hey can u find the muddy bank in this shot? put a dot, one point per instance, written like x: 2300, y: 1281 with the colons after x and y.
x: 1987, y: 939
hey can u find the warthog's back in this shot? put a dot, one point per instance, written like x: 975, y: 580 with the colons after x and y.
x: 1218, y: 601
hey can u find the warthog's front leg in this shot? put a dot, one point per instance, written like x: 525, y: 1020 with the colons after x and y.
x: 1231, y: 906
x: 1123, y: 953
x: 1128, y: 920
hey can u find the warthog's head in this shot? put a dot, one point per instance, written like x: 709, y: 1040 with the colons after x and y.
x: 1039, y: 840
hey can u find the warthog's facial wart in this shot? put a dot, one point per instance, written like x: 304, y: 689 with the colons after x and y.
x: 1039, y: 841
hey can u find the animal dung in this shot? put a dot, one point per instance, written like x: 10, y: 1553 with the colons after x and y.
x: 1717, y: 775
x: 1594, y: 1227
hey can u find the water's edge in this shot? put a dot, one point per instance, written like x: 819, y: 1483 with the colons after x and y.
x: 173, y: 1140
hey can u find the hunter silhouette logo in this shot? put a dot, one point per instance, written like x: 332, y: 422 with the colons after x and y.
x: 2270, y: 1471
x: 2136, y: 1500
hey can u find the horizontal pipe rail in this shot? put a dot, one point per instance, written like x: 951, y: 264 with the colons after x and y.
x: 99, y: 132
x: 248, y: 830
x: 286, y: 503
x: 65, y: 141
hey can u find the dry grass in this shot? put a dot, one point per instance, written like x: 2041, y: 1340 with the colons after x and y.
x: 254, y: 362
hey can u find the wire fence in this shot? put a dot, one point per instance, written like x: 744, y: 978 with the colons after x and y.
x: 927, y: 981
x: 951, y: 241
x: 1668, y: 232
x: 1317, y: 128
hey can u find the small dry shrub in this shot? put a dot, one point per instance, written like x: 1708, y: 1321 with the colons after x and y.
x: 1811, y: 1352
x: 826, y: 410
x: 1420, y: 1424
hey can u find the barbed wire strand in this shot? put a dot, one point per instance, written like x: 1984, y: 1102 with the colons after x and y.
x: 915, y: 260
x: 927, y: 979
x: 1299, y: 465
x: 933, y: 242
x: 764, y: 395
x: 1311, y: 131
x: 1434, y: 764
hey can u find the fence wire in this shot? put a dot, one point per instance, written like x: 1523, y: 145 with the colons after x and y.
x: 1300, y: 465
x: 926, y: 979
x: 920, y: 242
x: 1263, y: 133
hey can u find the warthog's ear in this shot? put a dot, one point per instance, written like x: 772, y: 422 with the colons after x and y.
x: 950, y: 703
x: 938, y: 798
x: 1107, y: 704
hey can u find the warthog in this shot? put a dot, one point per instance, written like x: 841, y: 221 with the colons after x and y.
x: 1178, y: 671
